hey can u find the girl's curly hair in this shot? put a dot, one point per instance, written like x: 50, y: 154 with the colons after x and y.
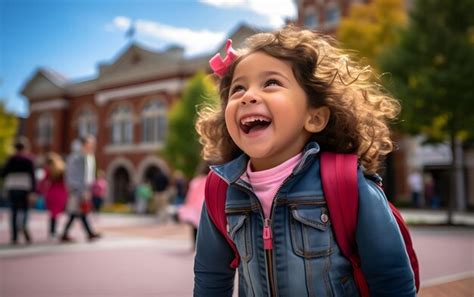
x: 360, y: 109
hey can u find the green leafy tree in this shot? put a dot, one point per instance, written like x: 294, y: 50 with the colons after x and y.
x: 432, y: 67
x: 8, y: 124
x: 371, y: 27
x: 182, y: 148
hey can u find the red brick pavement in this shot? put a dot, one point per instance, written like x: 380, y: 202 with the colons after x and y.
x: 460, y: 288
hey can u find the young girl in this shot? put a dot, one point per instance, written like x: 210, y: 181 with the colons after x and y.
x: 54, y: 189
x: 285, y: 98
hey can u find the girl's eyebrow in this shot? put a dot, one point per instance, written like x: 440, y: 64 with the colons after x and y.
x: 272, y: 72
x: 242, y: 77
x: 263, y: 74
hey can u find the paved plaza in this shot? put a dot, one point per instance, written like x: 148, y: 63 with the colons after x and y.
x: 141, y: 258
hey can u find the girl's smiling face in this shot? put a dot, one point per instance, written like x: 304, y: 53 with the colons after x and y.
x: 267, y: 113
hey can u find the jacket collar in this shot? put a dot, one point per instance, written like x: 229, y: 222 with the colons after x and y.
x: 231, y: 171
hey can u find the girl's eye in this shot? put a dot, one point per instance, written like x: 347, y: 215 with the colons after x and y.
x: 272, y: 82
x: 236, y: 89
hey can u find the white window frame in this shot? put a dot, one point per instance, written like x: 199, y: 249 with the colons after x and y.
x: 45, y: 129
x: 87, y: 122
x: 154, y: 122
x: 121, y: 125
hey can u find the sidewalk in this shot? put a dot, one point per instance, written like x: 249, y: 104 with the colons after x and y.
x: 136, y: 253
x: 429, y: 216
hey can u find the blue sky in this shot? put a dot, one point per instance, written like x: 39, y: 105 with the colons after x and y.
x: 73, y: 36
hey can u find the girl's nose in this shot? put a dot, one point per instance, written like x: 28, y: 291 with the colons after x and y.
x: 249, y: 99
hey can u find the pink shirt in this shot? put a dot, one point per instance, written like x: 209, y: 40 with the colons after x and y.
x: 266, y: 183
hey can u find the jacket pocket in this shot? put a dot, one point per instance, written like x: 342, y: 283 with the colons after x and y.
x: 240, y: 232
x: 349, y: 287
x: 310, y: 231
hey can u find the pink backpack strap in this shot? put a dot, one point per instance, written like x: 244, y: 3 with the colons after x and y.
x: 215, y: 197
x: 339, y: 180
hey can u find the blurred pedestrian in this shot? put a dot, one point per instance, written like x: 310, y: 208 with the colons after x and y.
x: 415, y: 182
x: 80, y: 174
x: 53, y: 189
x: 39, y: 201
x: 431, y: 197
x: 99, y: 190
x: 190, y: 211
x: 179, y: 182
x: 160, y: 197
x: 20, y: 184
x: 143, y: 194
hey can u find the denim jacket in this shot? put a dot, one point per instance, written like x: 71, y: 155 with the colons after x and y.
x: 305, y: 259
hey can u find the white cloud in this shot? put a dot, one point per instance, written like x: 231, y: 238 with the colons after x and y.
x: 274, y: 11
x: 122, y: 22
x: 194, y: 41
x: 224, y: 3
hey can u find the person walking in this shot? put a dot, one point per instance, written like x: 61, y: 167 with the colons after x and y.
x: 54, y: 189
x: 415, y: 182
x: 20, y: 184
x: 160, y: 203
x: 80, y: 174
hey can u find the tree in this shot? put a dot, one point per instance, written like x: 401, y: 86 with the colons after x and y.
x: 431, y: 69
x: 182, y: 148
x: 368, y: 29
x: 8, y: 124
x: 371, y: 27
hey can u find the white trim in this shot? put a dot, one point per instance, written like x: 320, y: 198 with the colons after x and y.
x: 170, y: 85
x: 133, y: 148
x: 59, y: 103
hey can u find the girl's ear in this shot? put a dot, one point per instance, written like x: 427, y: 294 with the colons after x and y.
x: 317, y: 119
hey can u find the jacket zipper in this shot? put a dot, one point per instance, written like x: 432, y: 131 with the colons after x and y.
x: 268, y: 248
x: 267, y: 235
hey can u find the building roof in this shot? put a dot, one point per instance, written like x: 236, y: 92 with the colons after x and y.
x: 134, y: 64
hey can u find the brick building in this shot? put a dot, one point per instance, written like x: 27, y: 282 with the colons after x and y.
x: 125, y: 106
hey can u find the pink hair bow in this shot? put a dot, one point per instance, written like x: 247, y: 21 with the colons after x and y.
x: 219, y: 65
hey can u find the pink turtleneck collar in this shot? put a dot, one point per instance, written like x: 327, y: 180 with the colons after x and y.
x: 266, y: 183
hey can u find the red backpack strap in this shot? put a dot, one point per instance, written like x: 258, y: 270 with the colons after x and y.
x: 215, y: 197
x: 408, y: 244
x: 339, y: 180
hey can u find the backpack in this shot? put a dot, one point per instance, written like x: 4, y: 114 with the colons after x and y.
x: 339, y: 179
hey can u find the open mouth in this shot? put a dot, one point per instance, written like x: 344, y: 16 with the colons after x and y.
x: 254, y: 123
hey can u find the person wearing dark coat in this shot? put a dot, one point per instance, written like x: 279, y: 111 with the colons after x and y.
x: 19, y: 183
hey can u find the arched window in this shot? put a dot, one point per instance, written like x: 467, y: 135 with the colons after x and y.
x: 154, y: 122
x: 121, y: 125
x: 45, y: 129
x: 87, y: 122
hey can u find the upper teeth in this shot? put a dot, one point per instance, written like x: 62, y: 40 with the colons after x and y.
x: 251, y: 119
